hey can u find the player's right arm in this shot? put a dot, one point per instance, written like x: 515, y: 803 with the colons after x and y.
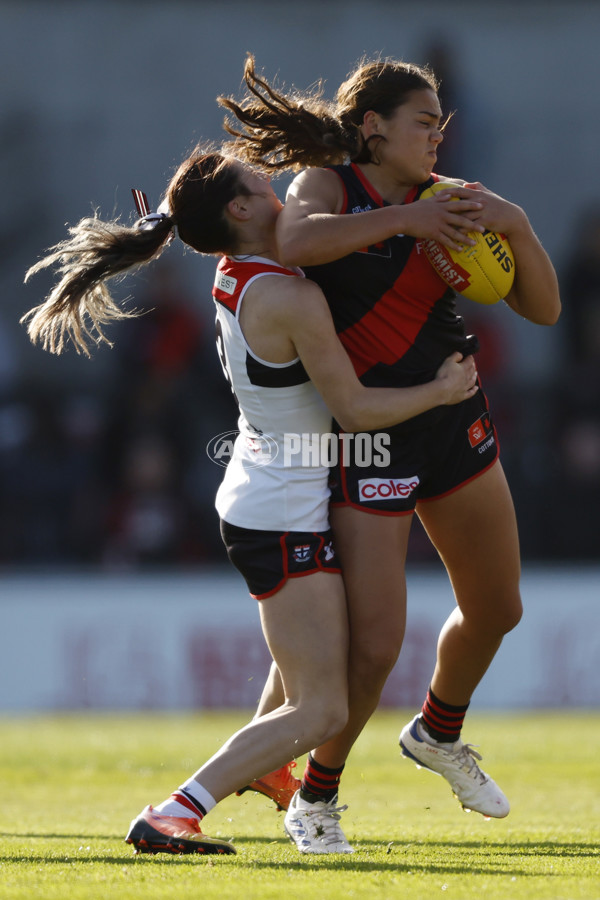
x: 311, y: 231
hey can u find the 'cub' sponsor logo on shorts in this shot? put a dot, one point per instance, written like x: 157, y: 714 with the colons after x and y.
x: 481, y: 431
x: 386, y: 488
x: 302, y: 552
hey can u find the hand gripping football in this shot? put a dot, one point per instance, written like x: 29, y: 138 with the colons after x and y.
x: 483, y: 272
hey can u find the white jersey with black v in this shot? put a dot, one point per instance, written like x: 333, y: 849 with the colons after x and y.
x: 265, y: 487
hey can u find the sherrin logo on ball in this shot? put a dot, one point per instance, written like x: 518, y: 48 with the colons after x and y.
x: 484, y: 272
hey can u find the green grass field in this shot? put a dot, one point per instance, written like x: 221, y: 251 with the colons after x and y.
x: 70, y: 785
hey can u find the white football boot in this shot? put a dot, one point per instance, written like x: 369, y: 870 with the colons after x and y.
x: 315, y: 827
x: 457, y: 763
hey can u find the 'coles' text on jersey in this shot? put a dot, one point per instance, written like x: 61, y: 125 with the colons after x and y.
x: 393, y: 313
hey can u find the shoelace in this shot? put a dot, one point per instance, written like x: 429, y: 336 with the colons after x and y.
x: 328, y: 830
x: 466, y: 757
x: 288, y: 774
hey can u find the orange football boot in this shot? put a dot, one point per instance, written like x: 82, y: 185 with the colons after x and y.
x: 152, y: 832
x: 279, y: 786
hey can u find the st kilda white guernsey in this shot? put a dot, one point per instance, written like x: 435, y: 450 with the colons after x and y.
x: 261, y: 488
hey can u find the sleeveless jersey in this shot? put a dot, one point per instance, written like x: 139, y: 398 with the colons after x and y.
x: 266, y: 487
x: 393, y: 313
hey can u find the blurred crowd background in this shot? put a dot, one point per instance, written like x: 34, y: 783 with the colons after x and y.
x: 103, y: 462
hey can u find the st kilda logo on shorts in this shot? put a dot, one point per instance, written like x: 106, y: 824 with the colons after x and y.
x: 302, y: 553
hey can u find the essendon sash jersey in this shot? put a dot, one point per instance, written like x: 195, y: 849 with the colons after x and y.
x: 393, y: 313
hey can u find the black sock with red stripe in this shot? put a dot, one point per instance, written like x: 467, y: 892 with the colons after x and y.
x: 441, y: 720
x: 319, y: 782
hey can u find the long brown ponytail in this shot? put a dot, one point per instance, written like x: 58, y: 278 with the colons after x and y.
x: 80, y: 304
x: 286, y: 131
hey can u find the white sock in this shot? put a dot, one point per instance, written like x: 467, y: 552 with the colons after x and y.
x: 173, y: 807
x: 200, y: 794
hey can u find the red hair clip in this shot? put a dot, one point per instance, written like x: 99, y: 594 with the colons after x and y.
x: 141, y: 202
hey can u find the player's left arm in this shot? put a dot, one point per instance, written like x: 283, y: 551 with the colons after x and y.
x: 535, y: 293
x: 301, y: 312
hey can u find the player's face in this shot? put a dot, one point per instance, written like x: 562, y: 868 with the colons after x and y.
x: 412, y: 135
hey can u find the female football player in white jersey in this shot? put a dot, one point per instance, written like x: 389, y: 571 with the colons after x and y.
x: 290, y: 374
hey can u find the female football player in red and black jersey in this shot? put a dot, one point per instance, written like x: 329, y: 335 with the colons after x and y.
x: 275, y: 332
x: 352, y: 221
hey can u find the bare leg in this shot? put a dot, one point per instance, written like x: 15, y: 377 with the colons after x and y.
x: 279, y: 785
x: 272, y: 695
x: 312, y: 659
x: 372, y: 550
x: 475, y: 532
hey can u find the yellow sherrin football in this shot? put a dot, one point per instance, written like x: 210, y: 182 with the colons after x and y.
x: 483, y: 272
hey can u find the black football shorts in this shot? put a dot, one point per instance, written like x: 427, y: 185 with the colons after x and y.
x: 427, y: 457
x: 266, y: 559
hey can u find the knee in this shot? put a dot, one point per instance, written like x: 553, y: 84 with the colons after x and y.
x: 508, y: 613
x: 512, y: 615
x: 328, y: 721
x: 372, y: 660
x: 503, y: 616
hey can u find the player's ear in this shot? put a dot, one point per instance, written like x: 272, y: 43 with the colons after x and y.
x: 370, y: 125
x: 238, y: 208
